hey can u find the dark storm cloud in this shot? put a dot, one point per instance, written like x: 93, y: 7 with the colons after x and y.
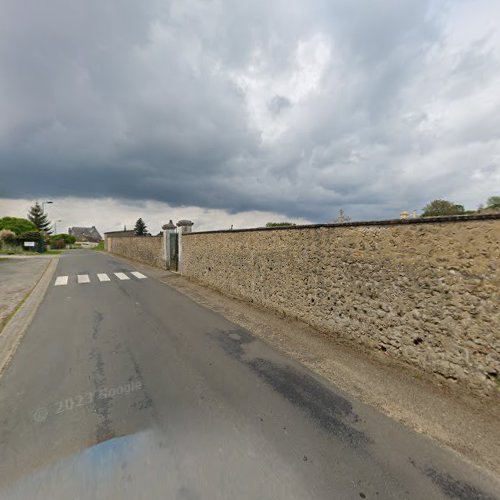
x: 287, y: 106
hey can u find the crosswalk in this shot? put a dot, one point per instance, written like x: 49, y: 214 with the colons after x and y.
x: 97, y: 278
x: 61, y: 280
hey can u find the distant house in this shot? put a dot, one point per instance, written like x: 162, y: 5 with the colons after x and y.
x: 85, y: 234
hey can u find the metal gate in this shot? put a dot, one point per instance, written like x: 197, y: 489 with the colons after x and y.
x: 173, y: 251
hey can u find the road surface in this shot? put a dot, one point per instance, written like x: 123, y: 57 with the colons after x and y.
x: 124, y: 388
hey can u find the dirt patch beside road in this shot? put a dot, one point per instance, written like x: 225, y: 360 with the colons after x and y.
x: 18, y: 277
x: 446, y: 413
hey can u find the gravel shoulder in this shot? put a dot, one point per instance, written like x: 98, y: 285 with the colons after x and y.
x: 18, y: 276
x: 442, y: 411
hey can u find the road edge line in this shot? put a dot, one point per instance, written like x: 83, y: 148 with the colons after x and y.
x: 15, y: 328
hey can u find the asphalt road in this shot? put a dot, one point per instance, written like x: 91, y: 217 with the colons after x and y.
x: 128, y: 389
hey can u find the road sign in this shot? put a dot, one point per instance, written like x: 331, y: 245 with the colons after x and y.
x: 29, y: 243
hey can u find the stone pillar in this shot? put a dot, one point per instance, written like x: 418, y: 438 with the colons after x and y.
x: 107, y: 243
x: 168, y: 229
x: 185, y: 226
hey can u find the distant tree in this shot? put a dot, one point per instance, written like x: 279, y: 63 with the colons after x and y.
x: 140, y: 228
x: 437, y: 208
x: 280, y: 224
x: 493, y: 202
x: 16, y: 224
x: 39, y: 218
x: 342, y: 217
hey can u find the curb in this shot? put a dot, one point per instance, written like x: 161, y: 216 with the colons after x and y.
x: 16, y: 326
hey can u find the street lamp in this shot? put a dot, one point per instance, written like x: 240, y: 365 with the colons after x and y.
x: 46, y: 202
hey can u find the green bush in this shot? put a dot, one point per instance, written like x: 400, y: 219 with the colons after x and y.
x: 57, y: 244
x: 16, y: 224
x: 7, y: 236
x: 67, y: 238
x: 36, y: 236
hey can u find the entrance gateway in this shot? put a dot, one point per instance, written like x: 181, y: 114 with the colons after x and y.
x: 172, y: 249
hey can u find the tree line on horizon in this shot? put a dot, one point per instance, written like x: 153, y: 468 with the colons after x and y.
x: 435, y: 208
x: 438, y: 208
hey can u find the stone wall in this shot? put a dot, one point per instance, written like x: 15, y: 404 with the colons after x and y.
x: 426, y: 293
x: 146, y: 249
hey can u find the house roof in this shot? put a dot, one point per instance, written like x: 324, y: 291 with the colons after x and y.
x: 85, y: 233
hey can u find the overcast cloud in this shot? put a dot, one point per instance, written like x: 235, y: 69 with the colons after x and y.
x: 282, y: 106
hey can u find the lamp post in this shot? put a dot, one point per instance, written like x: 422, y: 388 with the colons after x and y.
x: 46, y: 202
x: 43, y: 206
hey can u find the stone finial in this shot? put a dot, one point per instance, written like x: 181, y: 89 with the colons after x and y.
x: 185, y: 225
x: 170, y: 225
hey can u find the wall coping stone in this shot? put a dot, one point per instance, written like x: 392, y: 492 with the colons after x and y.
x: 387, y: 222
x: 116, y: 234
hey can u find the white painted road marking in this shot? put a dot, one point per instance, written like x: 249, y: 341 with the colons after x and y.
x: 61, y: 280
x: 85, y: 278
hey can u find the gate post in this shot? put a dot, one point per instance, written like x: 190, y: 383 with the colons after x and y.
x: 184, y: 226
x: 168, y: 229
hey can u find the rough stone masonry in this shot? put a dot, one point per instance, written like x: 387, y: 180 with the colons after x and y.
x: 426, y: 293
x: 147, y: 249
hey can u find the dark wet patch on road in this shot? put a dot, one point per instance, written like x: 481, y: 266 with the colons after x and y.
x: 453, y: 488
x: 449, y: 486
x: 233, y: 342
x: 333, y: 412
x: 303, y: 391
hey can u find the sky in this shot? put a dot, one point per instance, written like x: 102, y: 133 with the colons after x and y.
x: 238, y: 113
